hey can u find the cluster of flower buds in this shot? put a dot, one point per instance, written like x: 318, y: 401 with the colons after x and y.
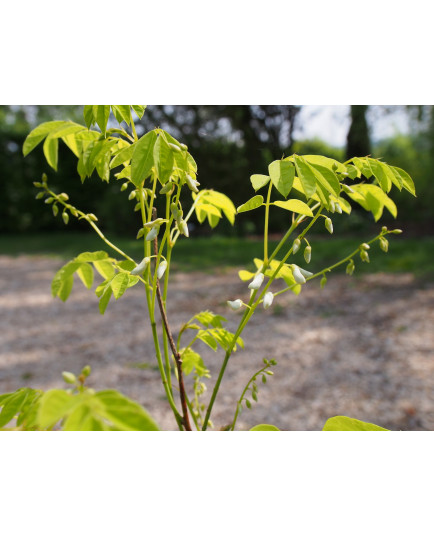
x: 180, y: 223
x: 334, y: 206
x: 364, y: 255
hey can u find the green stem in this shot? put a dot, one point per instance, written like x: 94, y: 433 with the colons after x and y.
x: 249, y: 312
x: 240, y: 401
x: 267, y: 211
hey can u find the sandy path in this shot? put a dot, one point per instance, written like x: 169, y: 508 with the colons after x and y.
x: 361, y: 347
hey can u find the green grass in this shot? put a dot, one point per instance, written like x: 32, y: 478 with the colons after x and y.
x: 414, y: 255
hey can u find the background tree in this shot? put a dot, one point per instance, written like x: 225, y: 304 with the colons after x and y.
x: 358, y: 142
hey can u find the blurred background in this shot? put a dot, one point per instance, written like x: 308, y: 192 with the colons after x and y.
x: 370, y: 337
x: 229, y: 143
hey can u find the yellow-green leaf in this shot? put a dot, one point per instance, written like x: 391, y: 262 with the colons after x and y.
x: 295, y: 205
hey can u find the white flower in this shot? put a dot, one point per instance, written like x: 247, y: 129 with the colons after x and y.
x: 161, y: 269
x: 236, y: 304
x: 153, y: 233
x: 140, y: 267
x: 298, y: 276
x: 268, y: 299
x: 257, y: 281
x: 305, y: 273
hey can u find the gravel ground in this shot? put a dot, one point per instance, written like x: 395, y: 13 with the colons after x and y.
x: 360, y: 347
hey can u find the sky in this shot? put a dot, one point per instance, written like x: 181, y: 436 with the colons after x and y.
x: 331, y: 123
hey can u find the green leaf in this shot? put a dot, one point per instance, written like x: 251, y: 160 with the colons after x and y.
x: 38, y: 134
x: 294, y: 205
x: 122, y: 112
x: 259, y: 181
x: 124, y: 155
x: 66, y: 287
x: 85, y: 273
x: 244, y: 275
x: 101, y: 113
x: 88, y: 115
x: 54, y: 405
x: 251, y: 204
x: 264, y: 428
x: 163, y: 159
x: 282, y: 175
x: 380, y: 174
x: 306, y: 176
x: 207, y: 318
x: 12, y: 405
x: 104, y: 268
x: 51, y: 146
x: 222, y: 202
x: 327, y: 179
x: 191, y: 360
x: 143, y: 159
x: 324, y: 161
x: 119, y: 284
x: 105, y: 298
x: 407, y: 181
x: 91, y: 256
x: 124, y: 413
x: 139, y: 109
x: 373, y: 199
x: 207, y: 338
x: 346, y: 424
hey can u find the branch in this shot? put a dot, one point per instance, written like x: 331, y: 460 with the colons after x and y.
x: 178, y: 360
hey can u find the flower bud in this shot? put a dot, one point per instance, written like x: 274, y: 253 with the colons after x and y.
x: 183, y: 146
x: 167, y: 188
x: 175, y: 147
x: 268, y: 299
x: 65, y: 217
x: 305, y: 273
x: 365, y: 246
x: 153, y: 233
x: 49, y: 200
x: 124, y: 186
x: 161, y: 269
x: 329, y: 225
x: 40, y: 195
x: 92, y: 217
x: 347, y: 189
x: 332, y: 206
x: 55, y: 210
x: 364, y: 255
x: 396, y: 231
x: 192, y: 184
x: 176, y: 212
x: 69, y: 377
x: 141, y: 267
x: 384, y: 244
x: 236, y: 304
x: 338, y: 208
x: 86, y: 371
x: 350, y: 267
x: 183, y: 228
x: 384, y: 229
x: 298, y: 276
x: 257, y: 281
x: 296, y: 245
x: 307, y: 254
x: 323, y: 281
x: 63, y: 197
x: 132, y: 195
